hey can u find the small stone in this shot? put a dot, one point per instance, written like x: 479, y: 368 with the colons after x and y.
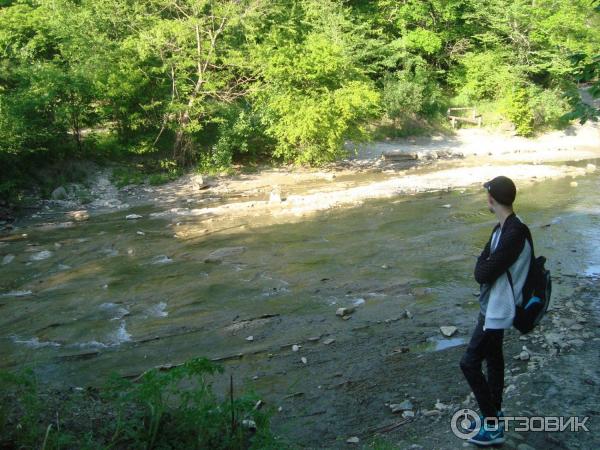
x: 132, y: 216
x: 421, y: 291
x: 304, y: 360
x: 524, y: 355
x: 385, y: 266
x: 328, y: 341
x: 573, y: 184
x: 401, y: 350
x: 448, y: 330
x: 59, y: 193
x: 353, y: 440
x: 440, y: 406
x: 590, y: 168
x: 140, y: 233
x: 447, y: 206
x: 39, y: 256
x: 432, y: 412
x: 274, y: 197
x: 406, y: 405
x: 407, y: 414
x: 7, y: 259
x: 79, y: 216
x: 344, y: 311
x: 295, y: 348
x: 161, y: 259
x: 219, y: 255
x: 250, y: 338
x: 197, y: 178
x: 408, y: 314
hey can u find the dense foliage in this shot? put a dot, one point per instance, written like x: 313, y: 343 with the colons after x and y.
x: 212, y: 82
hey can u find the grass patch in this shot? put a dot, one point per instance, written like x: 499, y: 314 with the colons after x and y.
x: 409, y: 127
x: 126, y: 175
x: 162, y: 409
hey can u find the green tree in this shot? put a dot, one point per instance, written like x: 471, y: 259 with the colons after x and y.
x: 312, y: 94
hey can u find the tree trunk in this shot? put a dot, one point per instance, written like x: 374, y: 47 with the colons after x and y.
x: 183, y: 147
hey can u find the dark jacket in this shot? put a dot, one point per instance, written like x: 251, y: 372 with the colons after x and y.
x: 511, y: 254
x: 490, y: 266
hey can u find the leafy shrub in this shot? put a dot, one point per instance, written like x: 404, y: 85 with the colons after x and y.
x: 402, y: 95
x: 519, y: 111
x: 423, y: 40
x: 485, y: 75
x: 239, y: 136
x: 411, y: 91
x: 161, y: 409
x: 125, y: 175
x: 548, y: 107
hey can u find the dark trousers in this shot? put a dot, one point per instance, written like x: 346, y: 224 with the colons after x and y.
x: 485, y: 345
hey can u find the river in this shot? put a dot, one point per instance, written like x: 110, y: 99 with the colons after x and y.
x: 115, y: 295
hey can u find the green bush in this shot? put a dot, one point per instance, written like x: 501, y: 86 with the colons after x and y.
x: 483, y: 76
x: 239, y: 136
x: 518, y: 110
x: 411, y: 91
x: 548, y: 107
x: 402, y: 95
x: 126, y: 175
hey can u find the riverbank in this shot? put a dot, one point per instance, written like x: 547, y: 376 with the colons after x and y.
x: 550, y: 372
x: 378, y: 170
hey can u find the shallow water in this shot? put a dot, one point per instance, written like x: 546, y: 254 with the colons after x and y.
x: 122, y: 295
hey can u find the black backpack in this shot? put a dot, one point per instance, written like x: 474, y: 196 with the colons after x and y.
x: 536, y: 293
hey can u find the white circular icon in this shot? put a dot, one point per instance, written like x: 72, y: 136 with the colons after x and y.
x: 461, y: 423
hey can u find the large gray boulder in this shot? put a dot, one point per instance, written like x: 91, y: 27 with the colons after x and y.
x: 60, y: 193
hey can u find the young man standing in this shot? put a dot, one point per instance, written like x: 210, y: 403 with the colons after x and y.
x: 501, y: 270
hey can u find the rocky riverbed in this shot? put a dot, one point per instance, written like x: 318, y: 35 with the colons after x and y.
x: 348, y: 321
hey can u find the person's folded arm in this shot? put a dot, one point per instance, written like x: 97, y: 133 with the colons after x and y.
x: 486, y: 250
x: 489, y: 268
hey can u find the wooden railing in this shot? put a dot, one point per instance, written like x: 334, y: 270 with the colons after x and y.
x: 473, y: 117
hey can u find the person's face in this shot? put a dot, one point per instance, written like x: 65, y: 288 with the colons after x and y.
x: 491, y: 203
